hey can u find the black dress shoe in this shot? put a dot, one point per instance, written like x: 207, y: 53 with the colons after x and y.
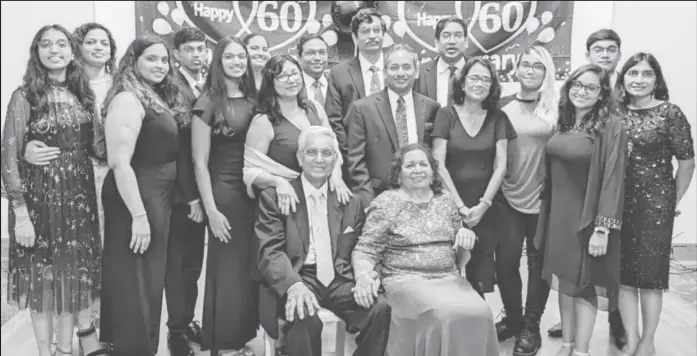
x: 178, y: 344
x: 529, y: 341
x: 555, y: 332
x: 193, y: 332
x: 507, y: 328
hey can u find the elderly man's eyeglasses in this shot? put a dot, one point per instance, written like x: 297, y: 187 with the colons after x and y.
x: 314, y: 153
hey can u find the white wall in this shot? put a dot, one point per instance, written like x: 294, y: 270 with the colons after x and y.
x: 667, y: 29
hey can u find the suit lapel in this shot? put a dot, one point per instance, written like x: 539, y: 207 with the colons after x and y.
x: 385, y: 111
x: 334, y: 216
x: 420, y: 115
x: 357, y: 75
x: 301, y: 218
x: 432, y: 79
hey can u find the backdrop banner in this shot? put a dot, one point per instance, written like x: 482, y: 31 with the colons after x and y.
x: 500, y: 30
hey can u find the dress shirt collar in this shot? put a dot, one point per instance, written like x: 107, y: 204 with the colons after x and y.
x: 408, y: 98
x: 310, y: 189
x: 443, y: 66
x: 310, y: 81
x: 365, y: 64
x: 191, y: 80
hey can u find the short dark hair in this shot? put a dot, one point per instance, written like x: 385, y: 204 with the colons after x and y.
x: 453, y: 19
x: 366, y: 15
x: 661, y: 90
x: 307, y: 38
x: 604, y: 34
x: 401, y: 47
x: 188, y: 34
x: 398, y: 161
x: 249, y: 37
x: 492, y: 100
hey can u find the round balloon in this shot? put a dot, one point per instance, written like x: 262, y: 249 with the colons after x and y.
x: 343, y: 12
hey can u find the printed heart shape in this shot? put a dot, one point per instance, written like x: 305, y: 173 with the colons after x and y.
x: 496, y: 22
x: 421, y: 18
x: 281, y: 22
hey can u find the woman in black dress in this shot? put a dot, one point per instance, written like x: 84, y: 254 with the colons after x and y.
x: 55, y: 251
x: 143, y: 110
x: 221, y: 117
x: 658, y: 131
x: 470, y: 140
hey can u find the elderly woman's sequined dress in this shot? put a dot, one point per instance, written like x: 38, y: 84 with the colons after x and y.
x: 61, y: 272
x: 435, y: 311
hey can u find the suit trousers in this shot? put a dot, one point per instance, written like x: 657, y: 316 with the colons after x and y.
x: 184, y: 264
x: 304, y: 337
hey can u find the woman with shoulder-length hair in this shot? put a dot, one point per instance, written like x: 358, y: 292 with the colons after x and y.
x: 582, y: 203
x: 221, y: 117
x: 533, y: 113
x: 658, y: 132
x: 54, y: 253
x: 143, y: 111
x: 283, y: 111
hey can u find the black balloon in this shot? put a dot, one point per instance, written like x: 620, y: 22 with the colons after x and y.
x: 343, y: 12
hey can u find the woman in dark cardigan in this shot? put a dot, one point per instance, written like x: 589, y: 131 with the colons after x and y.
x: 582, y: 205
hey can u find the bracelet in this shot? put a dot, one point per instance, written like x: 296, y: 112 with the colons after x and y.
x: 26, y: 221
x: 485, y: 201
x: 139, y: 215
x: 602, y: 230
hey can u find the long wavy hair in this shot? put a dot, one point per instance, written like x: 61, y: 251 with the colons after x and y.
x: 398, y: 161
x: 660, y: 92
x: 36, y: 82
x: 267, y: 102
x: 595, y: 119
x: 224, y: 113
x: 165, y: 96
x: 84, y: 29
x: 547, y: 107
x: 492, y: 100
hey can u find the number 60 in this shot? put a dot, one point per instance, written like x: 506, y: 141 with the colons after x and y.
x: 282, y: 18
x: 505, y: 18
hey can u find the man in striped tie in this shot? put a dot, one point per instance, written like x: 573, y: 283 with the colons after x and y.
x: 312, y: 55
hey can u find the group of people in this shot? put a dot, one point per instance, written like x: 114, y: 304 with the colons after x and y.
x: 394, y: 193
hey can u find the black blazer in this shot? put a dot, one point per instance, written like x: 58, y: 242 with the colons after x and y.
x: 345, y: 86
x: 186, y: 190
x: 427, y: 83
x: 284, y: 241
x: 372, y: 140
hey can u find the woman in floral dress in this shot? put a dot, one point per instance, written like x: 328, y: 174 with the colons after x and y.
x: 54, y: 255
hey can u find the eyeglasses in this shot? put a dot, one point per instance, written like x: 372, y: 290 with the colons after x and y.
x: 537, y: 67
x: 48, y: 44
x: 484, y: 80
x: 610, y: 49
x: 590, y: 88
x: 314, y: 153
x: 284, y: 77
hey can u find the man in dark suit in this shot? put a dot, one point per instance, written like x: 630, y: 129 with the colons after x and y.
x: 359, y: 76
x: 435, y: 77
x: 312, y: 56
x: 304, y: 258
x: 187, y: 230
x: 382, y: 123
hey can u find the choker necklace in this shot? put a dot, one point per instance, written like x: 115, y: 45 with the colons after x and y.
x: 526, y: 101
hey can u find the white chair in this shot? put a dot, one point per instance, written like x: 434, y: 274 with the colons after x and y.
x: 327, y: 317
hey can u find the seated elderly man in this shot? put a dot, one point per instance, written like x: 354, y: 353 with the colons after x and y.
x: 304, y: 258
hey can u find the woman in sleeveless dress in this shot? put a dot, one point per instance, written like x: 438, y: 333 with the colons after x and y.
x: 54, y: 253
x: 143, y: 110
x: 221, y: 117
x: 272, y: 140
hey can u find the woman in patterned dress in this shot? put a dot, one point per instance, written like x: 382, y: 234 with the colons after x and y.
x: 54, y: 254
x: 658, y: 131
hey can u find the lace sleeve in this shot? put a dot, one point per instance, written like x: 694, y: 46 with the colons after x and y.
x: 13, y: 135
x: 372, y: 243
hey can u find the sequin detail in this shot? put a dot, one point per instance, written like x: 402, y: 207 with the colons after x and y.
x: 610, y: 223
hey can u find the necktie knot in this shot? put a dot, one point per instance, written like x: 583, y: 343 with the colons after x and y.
x: 317, y: 84
x: 452, y: 70
x: 400, y: 100
x: 374, y: 69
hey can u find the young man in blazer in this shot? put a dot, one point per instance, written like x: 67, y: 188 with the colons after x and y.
x: 436, y: 77
x: 312, y: 56
x: 382, y: 123
x: 304, y: 258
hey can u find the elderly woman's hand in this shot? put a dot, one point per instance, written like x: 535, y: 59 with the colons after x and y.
x: 366, y: 290
x: 465, y: 238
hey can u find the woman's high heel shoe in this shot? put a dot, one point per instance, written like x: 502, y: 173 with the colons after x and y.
x: 82, y: 334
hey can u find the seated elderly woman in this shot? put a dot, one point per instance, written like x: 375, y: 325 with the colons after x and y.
x: 414, y: 233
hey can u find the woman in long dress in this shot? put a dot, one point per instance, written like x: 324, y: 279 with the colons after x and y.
x: 658, y: 132
x: 414, y: 236
x: 221, y: 117
x: 54, y: 253
x: 582, y: 201
x: 143, y: 112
